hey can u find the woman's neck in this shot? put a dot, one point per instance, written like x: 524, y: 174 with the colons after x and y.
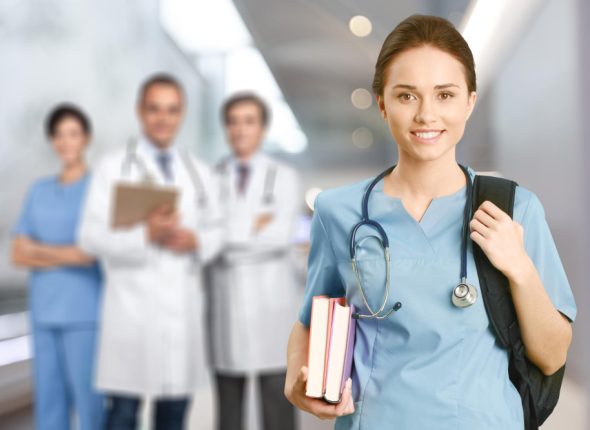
x: 425, y: 179
x: 72, y: 172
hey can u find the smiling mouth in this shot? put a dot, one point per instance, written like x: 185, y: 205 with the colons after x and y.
x: 427, y: 135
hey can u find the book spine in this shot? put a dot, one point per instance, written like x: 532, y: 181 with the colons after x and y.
x: 341, y: 301
x: 313, y: 304
x: 349, y: 349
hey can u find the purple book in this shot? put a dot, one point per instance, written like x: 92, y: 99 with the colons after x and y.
x: 340, y: 352
x: 349, y: 349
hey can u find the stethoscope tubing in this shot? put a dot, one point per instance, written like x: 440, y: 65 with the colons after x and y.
x: 367, y: 221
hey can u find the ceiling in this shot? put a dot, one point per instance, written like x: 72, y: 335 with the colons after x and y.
x: 318, y: 62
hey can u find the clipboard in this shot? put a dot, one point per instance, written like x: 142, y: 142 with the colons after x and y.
x: 133, y: 202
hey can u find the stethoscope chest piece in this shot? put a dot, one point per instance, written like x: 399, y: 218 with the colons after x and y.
x: 464, y: 295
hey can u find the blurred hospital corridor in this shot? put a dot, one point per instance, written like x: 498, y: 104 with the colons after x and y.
x: 225, y: 120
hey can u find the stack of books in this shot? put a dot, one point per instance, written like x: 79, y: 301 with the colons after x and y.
x: 331, y: 347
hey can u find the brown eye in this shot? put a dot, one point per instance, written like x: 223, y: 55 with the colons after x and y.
x: 406, y: 97
x: 446, y: 96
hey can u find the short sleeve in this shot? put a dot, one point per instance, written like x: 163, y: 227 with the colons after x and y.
x: 322, y: 273
x: 24, y: 225
x: 541, y: 249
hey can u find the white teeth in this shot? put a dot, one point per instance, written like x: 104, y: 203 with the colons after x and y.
x: 428, y: 135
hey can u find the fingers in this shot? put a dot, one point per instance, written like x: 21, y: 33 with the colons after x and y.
x: 301, y: 380
x: 319, y: 407
x: 478, y: 227
x: 346, y: 405
x: 492, y: 210
x: 477, y: 238
x: 485, y: 218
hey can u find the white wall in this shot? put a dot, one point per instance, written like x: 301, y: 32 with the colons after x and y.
x: 537, y: 122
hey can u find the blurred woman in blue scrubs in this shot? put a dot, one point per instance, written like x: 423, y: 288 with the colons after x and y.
x: 431, y: 365
x: 65, y: 284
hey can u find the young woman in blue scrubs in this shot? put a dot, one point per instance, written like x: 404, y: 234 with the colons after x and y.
x: 65, y: 284
x: 430, y: 365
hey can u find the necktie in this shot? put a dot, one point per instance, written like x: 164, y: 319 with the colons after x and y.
x: 165, y: 166
x: 243, y: 174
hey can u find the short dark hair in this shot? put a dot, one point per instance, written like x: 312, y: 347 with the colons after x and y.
x: 246, y: 97
x: 63, y: 111
x: 159, y: 79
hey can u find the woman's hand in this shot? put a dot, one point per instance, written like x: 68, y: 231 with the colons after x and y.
x: 27, y: 246
x: 318, y: 407
x: 25, y: 253
x: 500, y: 238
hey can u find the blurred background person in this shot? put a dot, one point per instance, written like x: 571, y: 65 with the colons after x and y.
x: 152, y: 337
x: 64, y: 282
x: 254, y: 289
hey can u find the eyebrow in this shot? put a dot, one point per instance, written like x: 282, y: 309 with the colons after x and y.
x: 436, y: 87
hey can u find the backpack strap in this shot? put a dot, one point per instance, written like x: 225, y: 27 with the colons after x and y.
x: 538, y: 393
x: 493, y: 284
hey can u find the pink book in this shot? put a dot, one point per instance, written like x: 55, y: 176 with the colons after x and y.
x: 318, y: 339
x: 341, y: 301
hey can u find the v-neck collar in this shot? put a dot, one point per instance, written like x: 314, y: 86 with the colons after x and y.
x: 440, y: 209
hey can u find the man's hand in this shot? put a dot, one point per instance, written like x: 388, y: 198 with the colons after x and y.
x: 181, y: 241
x: 262, y: 221
x: 161, y: 224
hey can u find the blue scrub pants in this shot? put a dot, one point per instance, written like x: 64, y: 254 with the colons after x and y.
x: 64, y: 360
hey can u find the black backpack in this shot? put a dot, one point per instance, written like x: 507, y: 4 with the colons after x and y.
x: 539, y: 393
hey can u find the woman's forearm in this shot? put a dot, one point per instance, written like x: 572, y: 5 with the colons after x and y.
x: 69, y: 255
x: 546, y: 333
x: 22, y: 255
x: 34, y: 255
x: 296, y: 354
x: 30, y: 262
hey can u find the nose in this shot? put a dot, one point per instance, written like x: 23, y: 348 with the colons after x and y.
x: 425, y: 113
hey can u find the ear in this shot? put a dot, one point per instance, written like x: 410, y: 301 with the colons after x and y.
x: 381, y: 105
x: 471, y: 104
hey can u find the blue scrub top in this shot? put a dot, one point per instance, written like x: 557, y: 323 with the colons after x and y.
x: 51, y: 214
x: 430, y: 365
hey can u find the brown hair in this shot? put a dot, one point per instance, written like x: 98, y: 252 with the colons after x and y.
x: 420, y: 30
x: 246, y: 97
x: 159, y: 79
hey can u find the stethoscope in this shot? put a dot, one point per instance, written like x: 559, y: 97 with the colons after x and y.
x: 268, y: 197
x: 133, y: 158
x: 462, y: 296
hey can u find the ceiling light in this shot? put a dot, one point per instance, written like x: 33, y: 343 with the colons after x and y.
x: 361, y: 98
x: 360, y: 26
x: 311, y: 195
x: 362, y: 137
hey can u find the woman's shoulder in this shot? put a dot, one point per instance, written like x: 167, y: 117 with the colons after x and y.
x: 526, y: 204
x: 43, y: 183
x: 341, y: 200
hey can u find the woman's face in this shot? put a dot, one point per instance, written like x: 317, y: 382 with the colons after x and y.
x: 426, y: 103
x: 69, y: 140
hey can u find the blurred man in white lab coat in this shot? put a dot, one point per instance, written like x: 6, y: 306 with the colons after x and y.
x: 254, y: 292
x: 152, y: 339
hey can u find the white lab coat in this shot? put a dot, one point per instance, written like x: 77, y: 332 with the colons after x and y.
x: 254, y: 293
x: 152, y: 339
